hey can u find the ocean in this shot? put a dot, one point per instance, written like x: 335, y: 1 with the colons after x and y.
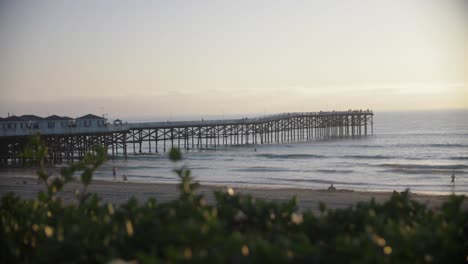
x: 418, y: 151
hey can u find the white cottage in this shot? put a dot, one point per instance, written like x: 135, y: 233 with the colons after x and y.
x: 34, y: 121
x: 90, y: 120
x: 55, y: 121
x: 13, y: 123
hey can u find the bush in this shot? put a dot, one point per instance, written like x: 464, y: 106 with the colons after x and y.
x: 235, y: 229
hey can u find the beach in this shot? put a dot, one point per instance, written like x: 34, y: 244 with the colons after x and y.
x: 119, y: 192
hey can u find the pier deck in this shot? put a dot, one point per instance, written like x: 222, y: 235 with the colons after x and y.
x: 69, y: 144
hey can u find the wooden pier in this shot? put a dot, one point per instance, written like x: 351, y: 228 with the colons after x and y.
x: 138, y: 138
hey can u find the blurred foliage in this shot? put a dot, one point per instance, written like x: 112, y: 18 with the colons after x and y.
x: 235, y: 229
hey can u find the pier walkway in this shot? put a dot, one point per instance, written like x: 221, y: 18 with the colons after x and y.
x: 67, y: 144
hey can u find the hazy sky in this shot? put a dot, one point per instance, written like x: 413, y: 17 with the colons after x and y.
x: 154, y: 58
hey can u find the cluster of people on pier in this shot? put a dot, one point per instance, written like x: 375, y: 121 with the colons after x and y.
x: 358, y: 111
x: 349, y: 111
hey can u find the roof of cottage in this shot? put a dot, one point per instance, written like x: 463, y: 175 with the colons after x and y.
x: 13, y: 118
x: 31, y: 117
x: 90, y: 116
x: 56, y: 117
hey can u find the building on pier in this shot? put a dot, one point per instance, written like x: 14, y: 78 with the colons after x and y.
x: 67, y: 139
x: 55, y: 121
x: 13, y: 123
x: 34, y: 121
x: 90, y: 120
x: 31, y: 124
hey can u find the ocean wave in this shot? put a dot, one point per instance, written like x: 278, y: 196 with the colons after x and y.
x: 458, y: 158
x: 424, y: 167
x: 151, y: 177
x: 448, y: 145
x: 263, y: 169
x: 368, y: 157
x: 196, y: 167
x: 139, y: 167
x: 425, y: 171
x: 147, y: 156
x: 291, y: 156
x: 130, y: 167
x: 335, y: 171
x: 327, y: 182
x: 366, y: 146
x: 239, y: 182
x: 138, y: 176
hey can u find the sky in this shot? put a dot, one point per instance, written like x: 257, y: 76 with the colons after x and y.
x: 161, y: 58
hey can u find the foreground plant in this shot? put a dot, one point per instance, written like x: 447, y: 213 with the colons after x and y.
x: 233, y: 229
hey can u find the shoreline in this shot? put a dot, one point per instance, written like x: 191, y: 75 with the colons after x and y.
x: 31, y: 173
x: 118, y: 192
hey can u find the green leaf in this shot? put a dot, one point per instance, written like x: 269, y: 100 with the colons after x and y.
x: 86, y: 176
x: 322, y: 207
x: 175, y: 155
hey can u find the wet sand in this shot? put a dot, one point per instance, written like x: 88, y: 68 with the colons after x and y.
x: 119, y: 192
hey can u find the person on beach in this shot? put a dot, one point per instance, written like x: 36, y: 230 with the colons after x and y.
x: 453, y: 179
x: 124, y: 177
x: 332, y: 188
x: 114, y: 173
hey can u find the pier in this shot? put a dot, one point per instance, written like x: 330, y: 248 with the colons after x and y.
x: 70, y: 142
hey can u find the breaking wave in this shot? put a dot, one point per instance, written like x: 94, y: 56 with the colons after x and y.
x: 369, y: 157
x: 425, y: 167
x: 291, y: 156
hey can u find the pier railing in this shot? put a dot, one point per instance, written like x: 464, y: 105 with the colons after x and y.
x: 255, y: 120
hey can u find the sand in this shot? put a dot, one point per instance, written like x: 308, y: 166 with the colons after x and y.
x: 118, y: 192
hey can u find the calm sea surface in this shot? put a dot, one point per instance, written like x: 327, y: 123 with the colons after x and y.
x: 415, y: 150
